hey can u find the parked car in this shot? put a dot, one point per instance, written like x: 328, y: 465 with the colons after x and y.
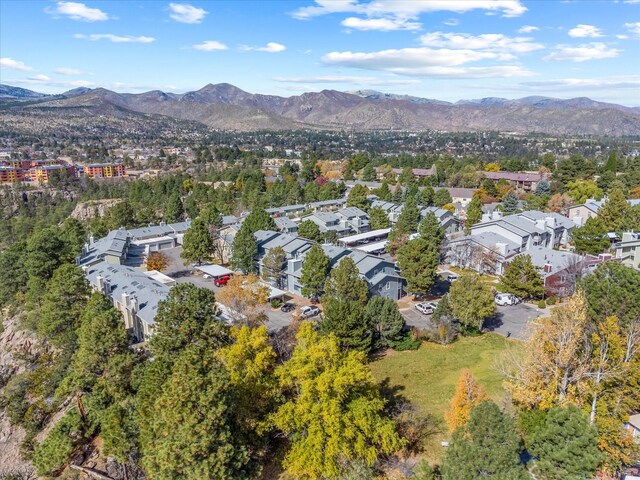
x: 222, y: 281
x: 452, y: 277
x: 426, y: 308
x: 504, y: 299
x: 288, y: 307
x: 310, y: 311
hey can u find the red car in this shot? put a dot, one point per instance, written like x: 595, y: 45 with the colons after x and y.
x: 222, y: 281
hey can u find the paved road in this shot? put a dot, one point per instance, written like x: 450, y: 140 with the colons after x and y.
x: 514, y: 320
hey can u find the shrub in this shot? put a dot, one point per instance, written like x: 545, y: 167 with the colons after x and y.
x: 52, y: 454
x: 551, y: 300
x: 409, y: 342
x: 542, y: 304
x: 276, y: 302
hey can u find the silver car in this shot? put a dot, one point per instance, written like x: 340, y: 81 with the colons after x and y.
x: 426, y: 308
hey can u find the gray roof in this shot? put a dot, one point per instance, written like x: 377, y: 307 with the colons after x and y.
x: 324, y: 217
x: 489, y: 240
x: 440, y: 213
x: 135, y: 283
x: 561, y: 220
x: 115, y: 243
x: 229, y: 220
x: 541, y: 256
x: 351, y: 212
x: 284, y: 222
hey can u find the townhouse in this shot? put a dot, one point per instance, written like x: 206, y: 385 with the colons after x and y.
x: 579, y: 214
x: 523, y: 181
x: 381, y: 275
x: 105, y: 170
x: 627, y: 250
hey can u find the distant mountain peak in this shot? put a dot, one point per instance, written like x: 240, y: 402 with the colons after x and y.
x: 9, y: 92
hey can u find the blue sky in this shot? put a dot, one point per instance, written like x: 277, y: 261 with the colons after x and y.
x: 444, y: 49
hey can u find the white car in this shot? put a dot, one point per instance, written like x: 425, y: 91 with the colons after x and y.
x: 452, y: 277
x: 309, y: 311
x: 504, y: 299
x: 426, y: 308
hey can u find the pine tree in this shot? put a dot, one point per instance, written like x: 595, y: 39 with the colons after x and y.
x: 510, y: 203
x: 522, y: 278
x: 467, y: 395
x: 358, y: 197
x: 431, y: 230
x: 474, y: 214
x: 543, y: 188
x: 174, y: 210
x: 309, y: 230
x: 406, y: 224
x: 612, y: 163
x: 385, y: 320
x: 346, y: 320
x: 315, y: 267
x: 329, y: 425
x: 486, y: 447
x: 378, y: 218
x: 192, y: 435
x: 345, y: 283
x: 426, y: 196
x: 245, y: 249
x: 614, y: 210
x: 591, y: 238
x: 418, y: 260
x: 384, y: 192
x: 566, y: 448
x: 273, y: 266
x: 197, y: 244
x: 471, y: 301
x: 368, y: 173
x: 442, y: 197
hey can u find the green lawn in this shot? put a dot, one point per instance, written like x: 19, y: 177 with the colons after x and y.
x: 427, y: 376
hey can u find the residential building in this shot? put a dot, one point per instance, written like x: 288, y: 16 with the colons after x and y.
x: 627, y: 250
x: 381, y: 275
x: 560, y: 270
x: 496, y: 239
x: 355, y: 218
x: 633, y: 426
x: 524, y: 181
x: 286, y: 225
x: 11, y: 174
x: 105, y: 170
x: 579, y: 214
x: 329, y: 221
x: 446, y: 219
x: 43, y: 173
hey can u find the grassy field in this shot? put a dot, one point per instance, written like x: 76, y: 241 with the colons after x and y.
x: 427, y: 376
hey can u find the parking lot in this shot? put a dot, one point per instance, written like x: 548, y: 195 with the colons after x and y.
x: 188, y: 274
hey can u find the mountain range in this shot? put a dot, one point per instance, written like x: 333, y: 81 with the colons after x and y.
x: 224, y: 106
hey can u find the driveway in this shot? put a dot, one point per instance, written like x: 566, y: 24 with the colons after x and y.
x: 513, y: 321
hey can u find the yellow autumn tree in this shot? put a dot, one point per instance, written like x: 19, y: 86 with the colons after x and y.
x: 492, y: 167
x: 468, y: 394
x: 555, y: 359
x: 157, y: 261
x: 243, y: 295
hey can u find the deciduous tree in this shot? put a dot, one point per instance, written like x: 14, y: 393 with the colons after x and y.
x: 243, y: 295
x: 157, y: 261
x: 468, y: 394
x: 273, y: 266
x: 522, y: 278
x: 471, y: 301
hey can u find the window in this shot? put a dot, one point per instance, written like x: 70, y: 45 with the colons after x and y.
x: 563, y: 278
x: 388, y: 285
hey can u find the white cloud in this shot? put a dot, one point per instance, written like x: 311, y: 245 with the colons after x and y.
x: 627, y: 81
x: 46, y: 81
x: 452, y: 22
x: 210, y: 45
x: 528, y: 29
x: 407, y: 9
x: 67, y: 71
x: 581, y: 31
x: 185, y: 13
x: 583, y: 53
x: 78, y: 11
x: 94, y: 37
x: 426, y: 62
x: 491, y: 42
x: 7, y: 62
x: 357, y: 80
x: 633, y: 27
x: 381, y: 24
x: 271, y: 47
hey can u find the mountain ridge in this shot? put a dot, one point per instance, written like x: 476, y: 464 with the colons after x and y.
x: 225, y: 106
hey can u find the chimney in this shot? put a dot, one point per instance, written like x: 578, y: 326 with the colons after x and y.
x: 85, y: 248
x: 548, y: 268
x: 125, y: 299
x: 551, y: 222
x: 133, y: 304
x: 91, y: 240
x: 100, y: 283
x: 497, y: 215
x: 501, y: 248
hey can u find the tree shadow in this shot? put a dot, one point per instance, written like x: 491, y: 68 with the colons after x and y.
x: 494, y: 322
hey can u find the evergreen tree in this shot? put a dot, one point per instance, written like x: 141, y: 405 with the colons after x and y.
x: 431, y: 230
x: 426, y: 196
x: 542, y: 189
x: 368, y: 173
x: 510, y: 203
x: 442, y: 197
x: 406, y: 224
x: 358, y: 197
x: 474, y: 214
x: 378, y: 218
x: 486, y: 447
x: 418, y: 260
x: 309, y: 230
x: 384, y: 192
x: 612, y: 163
x: 522, y: 278
x: 273, y: 266
x: 245, y: 249
x: 13, y: 274
x: 64, y: 300
x: 566, y: 447
x: 329, y: 425
x: 346, y: 320
x: 174, y: 210
x: 614, y: 210
x: 315, y: 267
x: 591, y: 238
x: 197, y: 244
x: 345, y: 283
x: 191, y: 435
x: 385, y: 320
x: 471, y: 301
